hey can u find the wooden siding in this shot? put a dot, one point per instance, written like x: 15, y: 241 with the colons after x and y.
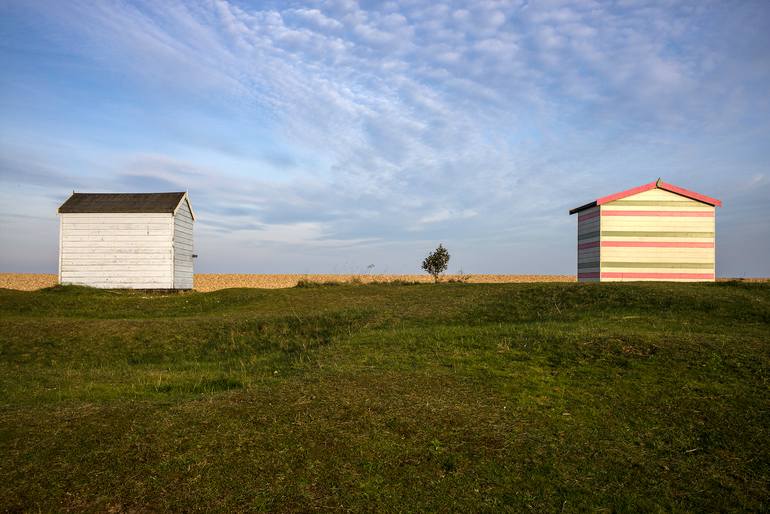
x: 589, y: 249
x: 111, y: 250
x: 657, y: 235
x: 183, y: 247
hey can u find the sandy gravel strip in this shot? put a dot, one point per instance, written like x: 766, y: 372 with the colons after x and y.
x: 214, y: 282
x: 205, y: 282
x: 27, y: 281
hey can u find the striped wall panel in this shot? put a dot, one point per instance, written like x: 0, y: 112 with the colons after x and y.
x: 652, y: 235
x: 657, y: 235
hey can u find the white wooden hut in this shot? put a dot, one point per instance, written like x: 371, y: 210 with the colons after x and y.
x: 657, y: 231
x: 127, y: 240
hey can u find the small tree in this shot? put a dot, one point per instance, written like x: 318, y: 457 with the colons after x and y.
x: 436, y: 262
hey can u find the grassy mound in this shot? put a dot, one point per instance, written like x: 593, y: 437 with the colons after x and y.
x: 372, y: 397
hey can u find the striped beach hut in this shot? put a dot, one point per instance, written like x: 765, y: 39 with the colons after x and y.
x: 657, y: 231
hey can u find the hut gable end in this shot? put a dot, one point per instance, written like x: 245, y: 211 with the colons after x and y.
x: 661, y: 232
x: 183, y: 246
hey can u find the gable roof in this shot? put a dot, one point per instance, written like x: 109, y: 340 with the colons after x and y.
x: 122, y: 203
x: 658, y: 184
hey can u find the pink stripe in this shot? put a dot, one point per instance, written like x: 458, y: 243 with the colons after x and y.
x: 592, y: 244
x: 627, y: 192
x: 589, y: 216
x: 697, y: 214
x: 690, y: 194
x: 592, y: 274
x: 656, y: 244
x: 632, y: 274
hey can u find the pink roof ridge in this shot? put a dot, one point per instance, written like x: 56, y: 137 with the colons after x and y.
x: 659, y: 184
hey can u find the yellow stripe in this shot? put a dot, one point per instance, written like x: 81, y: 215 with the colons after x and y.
x: 673, y: 265
x: 657, y: 203
x: 638, y: 233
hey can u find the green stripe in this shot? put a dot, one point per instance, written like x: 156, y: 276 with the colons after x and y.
x: 693, y: 265
x: 586, y: 265
x: 637, y: 233
x: 589, y: 235
x: 658, y: 203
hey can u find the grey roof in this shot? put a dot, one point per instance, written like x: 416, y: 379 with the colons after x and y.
x: 121, y: 202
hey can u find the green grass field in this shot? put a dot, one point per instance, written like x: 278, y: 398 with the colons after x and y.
x: 450, y: 397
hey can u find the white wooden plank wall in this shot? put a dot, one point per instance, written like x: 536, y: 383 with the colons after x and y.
x: 117, y: 250
x: 183, y: 247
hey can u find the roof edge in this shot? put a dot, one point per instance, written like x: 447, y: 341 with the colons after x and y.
x: 690, y: 194
x: 582, y: 207
x: 647, y: 187
x: 627, y: 192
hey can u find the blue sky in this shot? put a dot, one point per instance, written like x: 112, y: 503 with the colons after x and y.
x: 327, y: 136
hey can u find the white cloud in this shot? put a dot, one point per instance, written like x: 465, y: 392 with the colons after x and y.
x: 417, y: 111
x: 446, y: 215
x: 317, y: 18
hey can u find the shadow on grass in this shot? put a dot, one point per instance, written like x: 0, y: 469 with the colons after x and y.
x: 209, y: 386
